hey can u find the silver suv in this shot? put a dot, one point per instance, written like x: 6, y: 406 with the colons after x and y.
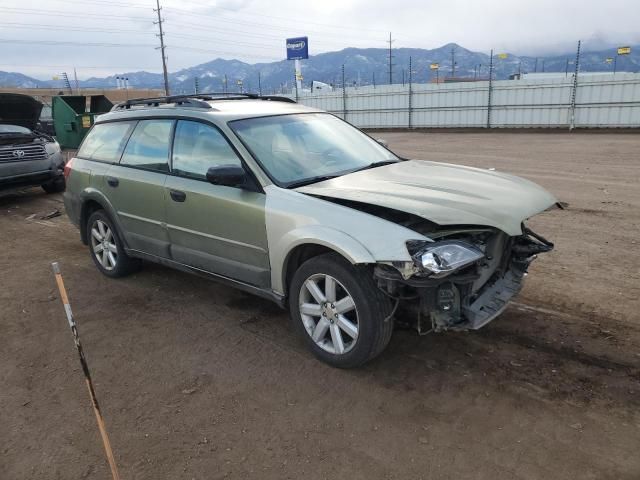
x: 28, y: 156
x: 298, y: 206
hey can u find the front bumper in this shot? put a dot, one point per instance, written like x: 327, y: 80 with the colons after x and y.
x: 457, y: 302
x: 31, y: 172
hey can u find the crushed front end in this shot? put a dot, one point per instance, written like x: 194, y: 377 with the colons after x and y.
x: 462, y: 280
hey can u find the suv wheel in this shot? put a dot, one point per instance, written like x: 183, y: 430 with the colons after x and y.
x: 54, y: 186
x: 339, y: 310
x: 106, y: 247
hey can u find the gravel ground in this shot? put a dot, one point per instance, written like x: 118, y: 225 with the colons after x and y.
x: 197, y: 380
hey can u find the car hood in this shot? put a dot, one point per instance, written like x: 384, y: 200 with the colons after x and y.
x: 17, y: 109
x: 442, y: 193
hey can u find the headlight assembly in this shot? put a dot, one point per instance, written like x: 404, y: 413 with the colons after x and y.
x: 443, y: 258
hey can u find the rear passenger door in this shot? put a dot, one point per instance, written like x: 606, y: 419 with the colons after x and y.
x: 135, y: 186
x: 214, y: 228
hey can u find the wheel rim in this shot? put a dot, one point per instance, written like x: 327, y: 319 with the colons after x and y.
x: 103, y: 245
x: 329, y: 314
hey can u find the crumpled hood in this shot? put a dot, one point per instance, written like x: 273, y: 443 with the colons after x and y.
x: 443, y: 193
x: 22, y: 110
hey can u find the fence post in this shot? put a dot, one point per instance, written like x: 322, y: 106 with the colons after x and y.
x: 490, y: 90
x: 410, y: 93
x: 344, y: 97
x: 574, y: 89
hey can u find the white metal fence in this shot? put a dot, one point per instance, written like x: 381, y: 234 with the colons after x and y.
x: 601, y: 101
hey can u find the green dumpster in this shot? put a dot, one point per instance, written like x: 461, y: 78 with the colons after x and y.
x: 73, y: 115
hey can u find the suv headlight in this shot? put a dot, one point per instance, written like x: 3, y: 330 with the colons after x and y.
x: 52, y: 148
x: 443, y: 258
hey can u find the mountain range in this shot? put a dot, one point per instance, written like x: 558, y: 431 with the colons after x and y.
x: 362, y: 66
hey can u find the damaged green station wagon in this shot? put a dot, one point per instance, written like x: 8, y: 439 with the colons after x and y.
x: 298, y: 206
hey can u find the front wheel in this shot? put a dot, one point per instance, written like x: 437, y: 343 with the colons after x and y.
x: 340, y: 312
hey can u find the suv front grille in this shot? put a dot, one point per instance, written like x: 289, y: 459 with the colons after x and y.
x: 22, y: 153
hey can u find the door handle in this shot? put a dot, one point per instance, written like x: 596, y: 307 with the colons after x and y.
x: 178, y: 196
x: 113, y: 181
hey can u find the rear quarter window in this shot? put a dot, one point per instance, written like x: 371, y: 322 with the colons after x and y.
x: 106, y: 141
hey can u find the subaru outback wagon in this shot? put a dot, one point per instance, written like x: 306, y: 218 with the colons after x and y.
x: 295, y: 205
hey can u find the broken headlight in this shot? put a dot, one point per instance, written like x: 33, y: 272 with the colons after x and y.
x: 443, y: 258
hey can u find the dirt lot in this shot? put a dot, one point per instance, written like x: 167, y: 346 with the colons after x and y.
x: 201, y: 381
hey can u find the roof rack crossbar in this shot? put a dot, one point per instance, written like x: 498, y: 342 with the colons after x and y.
x: 197, y: 100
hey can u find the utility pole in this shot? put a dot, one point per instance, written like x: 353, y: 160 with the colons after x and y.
x: 75, y: 76
x: 410, y: 94
x: 453, y: 62
x: 374, y: 79
x: 490, y: 89
x: 535, y: 68
x: 543, y: 65
x: 390, y: 42
x: 225, y: 84
x: 259, y: 84
x: 344, y: 97
x: 196, y: 86
x: 162, y: 48
x: 566, y: 68
x: 575, y: 90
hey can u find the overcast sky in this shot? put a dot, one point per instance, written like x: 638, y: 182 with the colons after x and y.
x: 101, y: 37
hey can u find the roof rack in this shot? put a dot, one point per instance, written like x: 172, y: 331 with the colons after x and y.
x: 197, y: 100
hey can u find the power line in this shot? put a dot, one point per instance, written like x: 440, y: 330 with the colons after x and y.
x: 126, y: 45
x: 76, y: 44
x: 41, y: 12
x: 296, y: 21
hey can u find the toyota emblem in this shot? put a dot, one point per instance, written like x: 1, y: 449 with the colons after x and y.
x: 18, y: 153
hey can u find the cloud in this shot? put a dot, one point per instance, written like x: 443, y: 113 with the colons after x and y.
x: 254, y: 30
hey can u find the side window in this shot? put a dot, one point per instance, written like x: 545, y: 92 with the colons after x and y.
x: 148, y: 146
x: 198, y: 147
x: 106, y: 141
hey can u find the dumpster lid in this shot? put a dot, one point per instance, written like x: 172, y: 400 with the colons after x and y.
x: 18, y: 109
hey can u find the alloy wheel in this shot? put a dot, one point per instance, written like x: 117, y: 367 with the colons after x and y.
x: 103, y: 245
x: 329, y: 314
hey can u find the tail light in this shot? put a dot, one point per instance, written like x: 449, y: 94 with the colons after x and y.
x: 67, y: 168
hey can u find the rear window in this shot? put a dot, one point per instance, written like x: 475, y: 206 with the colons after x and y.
x: 148, y: 146
x: 105, y: 142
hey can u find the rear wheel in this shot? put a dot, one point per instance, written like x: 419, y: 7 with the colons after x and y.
x: 54, y: 186
x: 339, y: 311
x: 106, y: 248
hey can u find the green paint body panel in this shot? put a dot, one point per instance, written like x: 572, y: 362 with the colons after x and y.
x: 139, y: 201
x: 219, y: 229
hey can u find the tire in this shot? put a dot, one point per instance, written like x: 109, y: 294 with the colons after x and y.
x: 55, y: 186
x: 102, y: 234
x: 311, y: 315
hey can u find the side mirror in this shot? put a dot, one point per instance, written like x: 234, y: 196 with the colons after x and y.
x: 382, y: 142
x: 226, y: 175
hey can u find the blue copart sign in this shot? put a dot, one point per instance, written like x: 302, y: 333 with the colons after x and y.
x: 297, y: 48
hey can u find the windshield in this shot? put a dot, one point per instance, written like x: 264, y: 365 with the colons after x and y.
x: 13, y: 129
x: 308, y: 146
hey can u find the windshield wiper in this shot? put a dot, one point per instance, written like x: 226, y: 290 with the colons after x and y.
x: 377, y: 164
x: 309, y: 181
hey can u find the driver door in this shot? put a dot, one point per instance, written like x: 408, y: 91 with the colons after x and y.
x: 214, y: 228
